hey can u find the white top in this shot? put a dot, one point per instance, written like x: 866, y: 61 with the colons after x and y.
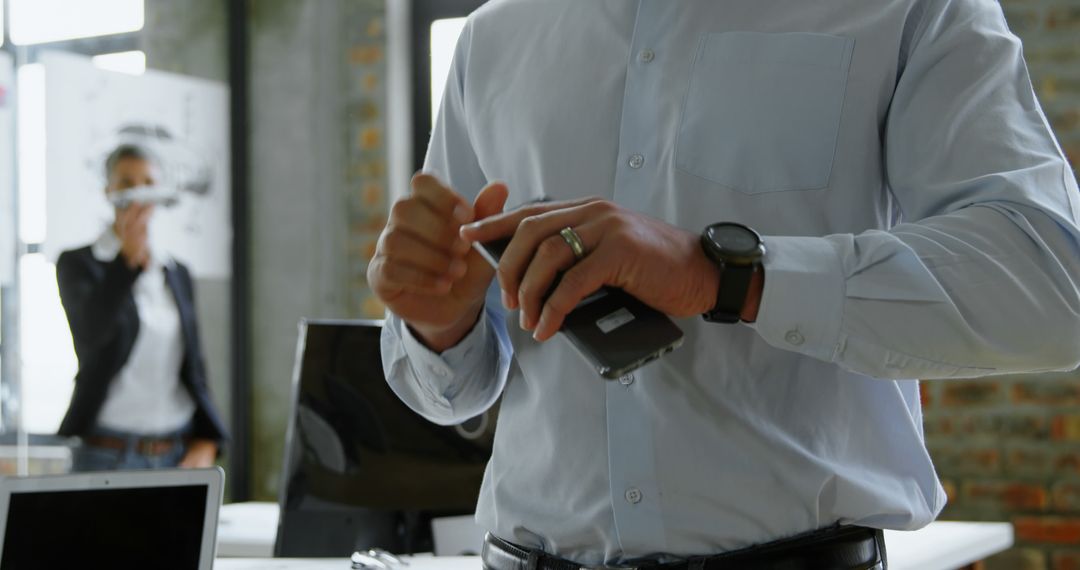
x: 920, y: 222
x: 146, y: 396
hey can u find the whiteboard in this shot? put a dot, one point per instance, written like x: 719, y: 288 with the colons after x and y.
x: 182, y: 121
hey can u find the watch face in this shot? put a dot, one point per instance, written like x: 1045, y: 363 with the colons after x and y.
x: 734, y: 238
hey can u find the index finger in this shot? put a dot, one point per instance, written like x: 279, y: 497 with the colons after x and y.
x: 505, y: 224
x: 441, y: 199
x: 127, y: 216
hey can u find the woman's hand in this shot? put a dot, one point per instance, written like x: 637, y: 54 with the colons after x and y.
x: 131, y: 227
x: 201, y: 453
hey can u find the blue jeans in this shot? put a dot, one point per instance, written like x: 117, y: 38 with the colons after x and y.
x: 90, y: 458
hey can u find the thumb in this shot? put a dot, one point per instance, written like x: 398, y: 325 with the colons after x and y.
x: 490, y: 201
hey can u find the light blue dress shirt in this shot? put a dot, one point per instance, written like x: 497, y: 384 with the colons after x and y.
x: 920, y: 219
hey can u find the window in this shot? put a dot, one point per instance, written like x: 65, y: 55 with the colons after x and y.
x: 444, y: 38
x: 48, y: 362
x: 31, y: 151
x: 48, y: 357
x: 41, y: 21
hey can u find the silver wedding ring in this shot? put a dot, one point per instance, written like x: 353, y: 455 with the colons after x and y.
x: 573, y: 240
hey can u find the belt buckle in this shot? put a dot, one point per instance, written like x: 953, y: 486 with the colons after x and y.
x: 152, y: 447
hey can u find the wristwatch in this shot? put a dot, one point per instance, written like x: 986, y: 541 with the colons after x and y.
x: 738, y: 251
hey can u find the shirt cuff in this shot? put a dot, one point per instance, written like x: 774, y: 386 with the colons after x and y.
x: 443, y: 368
x: 803, y: 298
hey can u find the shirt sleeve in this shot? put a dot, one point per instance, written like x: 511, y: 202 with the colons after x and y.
x: 981, y: 275
x: 464, y: 381
x: 453, y: 386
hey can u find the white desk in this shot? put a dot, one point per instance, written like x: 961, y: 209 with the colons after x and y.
x: 415, y: 563
x: 946, y: 545
x: 249, y: 529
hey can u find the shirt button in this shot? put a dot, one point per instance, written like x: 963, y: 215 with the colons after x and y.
x: 633, y: 495
x: 626, y: 379
x: 637, y: 161
x: 794, y: 338
x: 646, y: 55
x: 437, y: 371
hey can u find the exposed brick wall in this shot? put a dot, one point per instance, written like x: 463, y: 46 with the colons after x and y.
x: 1051, y: 33
x: 366, y: 162
x: 1008, y: 449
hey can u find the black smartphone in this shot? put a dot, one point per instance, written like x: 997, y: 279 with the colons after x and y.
x: 614, y: 331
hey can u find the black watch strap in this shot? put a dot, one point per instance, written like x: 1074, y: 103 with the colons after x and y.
x: 731, y: 296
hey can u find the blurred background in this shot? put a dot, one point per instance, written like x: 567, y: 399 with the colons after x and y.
x: 286, y: 128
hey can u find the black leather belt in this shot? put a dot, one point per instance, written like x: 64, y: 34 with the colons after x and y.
x: 835, y: 548
x: 142, y: 445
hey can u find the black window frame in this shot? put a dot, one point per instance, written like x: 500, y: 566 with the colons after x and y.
x: 424, y: 14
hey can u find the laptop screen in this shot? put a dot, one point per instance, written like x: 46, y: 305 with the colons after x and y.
x: 158, y: 527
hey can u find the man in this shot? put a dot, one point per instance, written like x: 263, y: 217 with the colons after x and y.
x: 141, y: 398
x: 919, y: 221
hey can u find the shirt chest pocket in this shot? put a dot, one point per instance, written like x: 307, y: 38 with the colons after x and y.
x: 762, y: 111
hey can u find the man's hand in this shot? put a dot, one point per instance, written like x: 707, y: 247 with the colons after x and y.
x: 424, y: 271
x: 662, y: 265
x: 200, y: 454
x: 131, y: 227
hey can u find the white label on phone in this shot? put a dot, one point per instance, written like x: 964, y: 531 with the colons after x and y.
x: 615, y: 320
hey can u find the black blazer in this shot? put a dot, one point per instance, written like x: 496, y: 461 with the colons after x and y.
x: 100, y: 306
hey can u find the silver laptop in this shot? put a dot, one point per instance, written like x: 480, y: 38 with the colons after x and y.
x: 165, y: 520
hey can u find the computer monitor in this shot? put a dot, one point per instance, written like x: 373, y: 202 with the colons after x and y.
x: 162, y: 519
x: 361, y: 469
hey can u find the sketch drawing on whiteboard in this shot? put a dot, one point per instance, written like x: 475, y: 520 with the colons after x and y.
x: 180, y: 122
x: 186, y: 173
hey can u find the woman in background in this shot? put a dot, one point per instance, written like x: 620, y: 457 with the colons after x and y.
x: 141, y: 399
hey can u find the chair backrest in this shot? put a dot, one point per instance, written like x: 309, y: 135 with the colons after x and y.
x: 361, y: 469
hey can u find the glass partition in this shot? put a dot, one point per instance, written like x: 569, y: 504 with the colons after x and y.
x: 87, y: 78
